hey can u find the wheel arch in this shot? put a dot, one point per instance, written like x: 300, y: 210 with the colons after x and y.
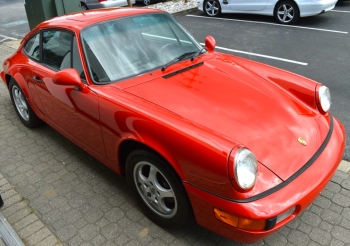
x: 274, y: 9
x: 20, y: 81
x: 129, y: 145
x: 7, y: 79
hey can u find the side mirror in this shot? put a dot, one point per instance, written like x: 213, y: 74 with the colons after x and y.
x: 210, y: 43
x: 68, y: 77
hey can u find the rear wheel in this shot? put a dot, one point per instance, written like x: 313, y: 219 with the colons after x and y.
x: 212, y: 8
x: 83, y: 6
x: 147, y: 2
x: 22, y: 107
x: 158, y: 189
x: 286, y: 12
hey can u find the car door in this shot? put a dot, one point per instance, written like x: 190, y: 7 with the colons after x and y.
x: 73, y: 111
x: 247, y: 5
x: 32, y: 51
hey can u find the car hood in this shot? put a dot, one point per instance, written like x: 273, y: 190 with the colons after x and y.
x: 234, y: 102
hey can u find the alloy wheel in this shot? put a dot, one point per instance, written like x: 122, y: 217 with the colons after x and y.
x: 286, y: 13
x: 20, y: 103
x: 155, y: 189
x: 212, y: 8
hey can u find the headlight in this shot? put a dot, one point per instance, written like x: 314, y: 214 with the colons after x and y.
x: 324, y: 99
x: 245, y: 168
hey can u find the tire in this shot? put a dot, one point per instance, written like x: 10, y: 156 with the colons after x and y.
x: 147, y: 2
x: 22, y: 107
x: 212, y: 8
x: 286, y: 12
x: 150, y: 178
x: 83, y: 7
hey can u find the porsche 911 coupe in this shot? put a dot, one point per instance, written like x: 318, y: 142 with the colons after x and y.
x: 285, y: 11
x: 239, y: 146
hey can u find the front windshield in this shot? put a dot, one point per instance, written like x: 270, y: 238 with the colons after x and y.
x: 127, y: 47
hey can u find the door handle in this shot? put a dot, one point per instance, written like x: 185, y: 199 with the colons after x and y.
x: 37, y: 79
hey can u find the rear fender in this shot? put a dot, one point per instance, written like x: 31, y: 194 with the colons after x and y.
x: 14, y: 73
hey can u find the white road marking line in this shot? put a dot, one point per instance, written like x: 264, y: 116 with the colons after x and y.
x: 340, y: 11
x: 6, y: 37
x: 260, y: 55
x: 274, y: 24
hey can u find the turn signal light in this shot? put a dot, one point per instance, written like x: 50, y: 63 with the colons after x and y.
x: 242, y: 223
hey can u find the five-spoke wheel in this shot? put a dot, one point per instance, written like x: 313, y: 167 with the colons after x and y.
x: 212, y: 8
x: 156, y: 185
x: 286, y: 12
x: 147, y: 2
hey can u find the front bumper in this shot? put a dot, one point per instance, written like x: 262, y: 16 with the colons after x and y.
x: 298, y: 194
x: 315, y: 7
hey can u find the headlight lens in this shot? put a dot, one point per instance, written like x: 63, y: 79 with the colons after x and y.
x: 324, y: 96
x: 246, y: 168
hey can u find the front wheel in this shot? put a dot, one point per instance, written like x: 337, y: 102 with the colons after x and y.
x: 158, y: 189
x: 212, y: 8
x: 286, y: 12
x: 22, y: 107
x: 147, y: 2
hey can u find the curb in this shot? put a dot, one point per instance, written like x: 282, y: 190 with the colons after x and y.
x: 185, y: 8
x: 31, y: 231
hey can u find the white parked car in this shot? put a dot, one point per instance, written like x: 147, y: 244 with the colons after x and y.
x: 97, y: 4
x: 285, y: 11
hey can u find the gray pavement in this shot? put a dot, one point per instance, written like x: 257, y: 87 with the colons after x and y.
x: 56, y: 194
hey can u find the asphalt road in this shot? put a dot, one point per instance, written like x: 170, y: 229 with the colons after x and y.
x: 13, y: 19
x: 318, y: 46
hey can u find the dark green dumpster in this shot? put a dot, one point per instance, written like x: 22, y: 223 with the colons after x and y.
x: 41, y: 10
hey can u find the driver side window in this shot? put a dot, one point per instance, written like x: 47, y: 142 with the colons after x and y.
x: 60, y: 51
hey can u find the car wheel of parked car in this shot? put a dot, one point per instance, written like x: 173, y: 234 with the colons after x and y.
x: 156, y: 185
x: 22, y: 107
x: 212, y: 8
x: 147, y: 2
x: 83, y: 6
x: 286, y: 12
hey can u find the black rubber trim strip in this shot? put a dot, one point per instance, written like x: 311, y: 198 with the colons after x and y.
x: 287, y: 181
x: 182, y: 70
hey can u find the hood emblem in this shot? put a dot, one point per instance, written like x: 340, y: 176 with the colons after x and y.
x: 302, y: 141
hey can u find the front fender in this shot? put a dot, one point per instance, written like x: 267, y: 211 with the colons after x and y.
x: 297, y: 85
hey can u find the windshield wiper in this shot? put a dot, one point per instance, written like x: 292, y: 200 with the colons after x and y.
x: 199, y: 52
x: 179, y: 58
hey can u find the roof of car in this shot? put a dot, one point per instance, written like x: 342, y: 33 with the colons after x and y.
x: 78, y: 20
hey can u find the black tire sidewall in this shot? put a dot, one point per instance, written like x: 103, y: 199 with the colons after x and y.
x: 184, y: 210
x: 83, y: 4
x: 296, y: 10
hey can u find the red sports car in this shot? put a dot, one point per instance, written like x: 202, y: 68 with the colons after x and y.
x: 240, y: 146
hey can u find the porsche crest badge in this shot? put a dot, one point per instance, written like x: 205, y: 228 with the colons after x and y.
x: 302, y: 141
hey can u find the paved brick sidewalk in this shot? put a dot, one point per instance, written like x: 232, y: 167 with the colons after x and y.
x: 67, y: 196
